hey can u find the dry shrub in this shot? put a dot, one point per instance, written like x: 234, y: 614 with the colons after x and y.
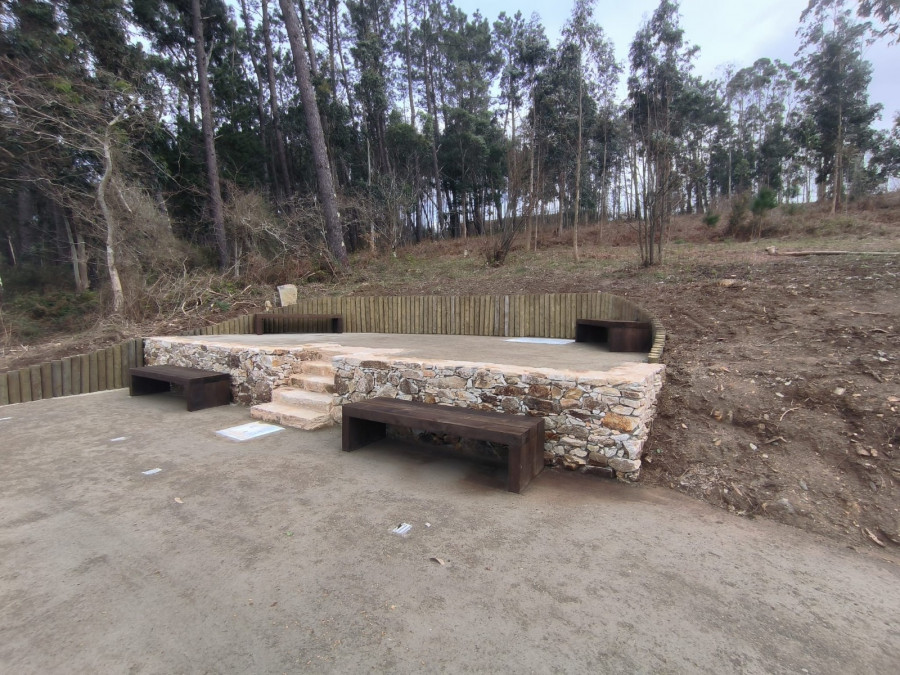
x: 275, y: 248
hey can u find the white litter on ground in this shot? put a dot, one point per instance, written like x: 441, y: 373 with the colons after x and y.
x: 150, y: 472
x: 402, y: 529
x: 246, y: 432
x: 4, y: 419
x: 116, y: 440
x: 541, y: 341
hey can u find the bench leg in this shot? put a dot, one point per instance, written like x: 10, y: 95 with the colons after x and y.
x: 145, y: 385
x: 200, y: 395
x: 518, y: 475
x: 356, y: 433
x: 526, y: 460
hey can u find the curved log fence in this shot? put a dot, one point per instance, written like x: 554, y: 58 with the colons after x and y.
x: 546, y: 315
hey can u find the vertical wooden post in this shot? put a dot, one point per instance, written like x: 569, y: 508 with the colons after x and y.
x: 14, y: 386
x: 67, y: 376
x: 46, y: 380
x: 25, y: 384
x: 56, y: 378
x: 36, y: 389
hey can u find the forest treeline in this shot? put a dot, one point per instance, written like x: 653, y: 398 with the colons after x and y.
x: 146, y: 138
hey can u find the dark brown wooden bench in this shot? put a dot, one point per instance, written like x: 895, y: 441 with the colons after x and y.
x: 366, y: 422
x: 621, y: 336
x: 297, y: 323
x: 202, y: 388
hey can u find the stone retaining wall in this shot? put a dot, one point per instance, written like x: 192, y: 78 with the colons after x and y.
x: 254, y: 371
x: 595, y: 422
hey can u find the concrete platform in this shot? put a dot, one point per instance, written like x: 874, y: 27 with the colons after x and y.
x: 575, y: 356
x: 276, y: 555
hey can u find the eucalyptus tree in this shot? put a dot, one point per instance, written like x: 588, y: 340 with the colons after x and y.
x: 885, y: 12
x: 598, y: 75
x: 661, y: 61
x: 835, y: 81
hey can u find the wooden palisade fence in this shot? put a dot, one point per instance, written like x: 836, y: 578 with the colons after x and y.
x: 547, y: 315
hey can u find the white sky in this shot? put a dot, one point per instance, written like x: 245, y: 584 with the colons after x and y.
x: 727, y: 31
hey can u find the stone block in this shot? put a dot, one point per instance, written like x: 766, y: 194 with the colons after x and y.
x: 622, y: 465
x: 619, y: 422
x: 287, y: 295
x: 539, y: 391
x: 598, y: 459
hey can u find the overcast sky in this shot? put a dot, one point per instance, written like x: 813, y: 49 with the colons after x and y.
x: 727, y: 31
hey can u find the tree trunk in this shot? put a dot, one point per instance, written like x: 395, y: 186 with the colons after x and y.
x: 340, y: 51
x: 562, y: 201
x: 260, y: 99
x: 409, y: 77
x: 333, y: 235
x: 212, y: 166
x: 280, y: 149
x: 307, y: 32
x: 578, y: 167
x: 79, y: 268
x: 25, y: 215
x: 436, y: 172
x: 114, y: 282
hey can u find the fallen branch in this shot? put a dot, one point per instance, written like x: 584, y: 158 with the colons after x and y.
x: 771, y: 250
x: 781, y: 419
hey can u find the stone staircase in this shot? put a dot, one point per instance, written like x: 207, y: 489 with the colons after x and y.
x: 306, y: 403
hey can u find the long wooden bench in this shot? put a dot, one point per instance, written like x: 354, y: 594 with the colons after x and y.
x: 621, y: 336
x: 297, y: 323
x: 202, y: 388
x: 366, y: 421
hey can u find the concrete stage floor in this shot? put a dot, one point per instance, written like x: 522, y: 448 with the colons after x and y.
x: 574, y: 356
x: 276, y: 555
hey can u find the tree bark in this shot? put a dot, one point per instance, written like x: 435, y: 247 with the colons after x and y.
x: 578, y: 164
x: 333, y: 235
x: 114, y: 280
x: 435, y: 168
x: 409, y: 77
x: 76, y: 251
x: 307, y: 32
x: 209, y: 140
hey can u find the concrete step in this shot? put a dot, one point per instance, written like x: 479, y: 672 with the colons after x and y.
x: 312, y: 400
x: 291, y: 416
x: 320, y: 383
x: 317, y: 368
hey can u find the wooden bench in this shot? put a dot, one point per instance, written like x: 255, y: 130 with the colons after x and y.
x: 296, y: 323
x: 202, y: 388
x: 621, y: 336
x: 366, y: 422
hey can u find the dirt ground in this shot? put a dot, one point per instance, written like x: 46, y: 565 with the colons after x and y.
x: 276, y: 555
x: 782, y: 397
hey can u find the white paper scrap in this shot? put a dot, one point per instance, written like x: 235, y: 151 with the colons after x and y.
x: 3, y: 419
x: 541, y: 341
x: 402, y: 529
x: 116, y: 440
x: 245, y: 432
x: 150, y: 472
